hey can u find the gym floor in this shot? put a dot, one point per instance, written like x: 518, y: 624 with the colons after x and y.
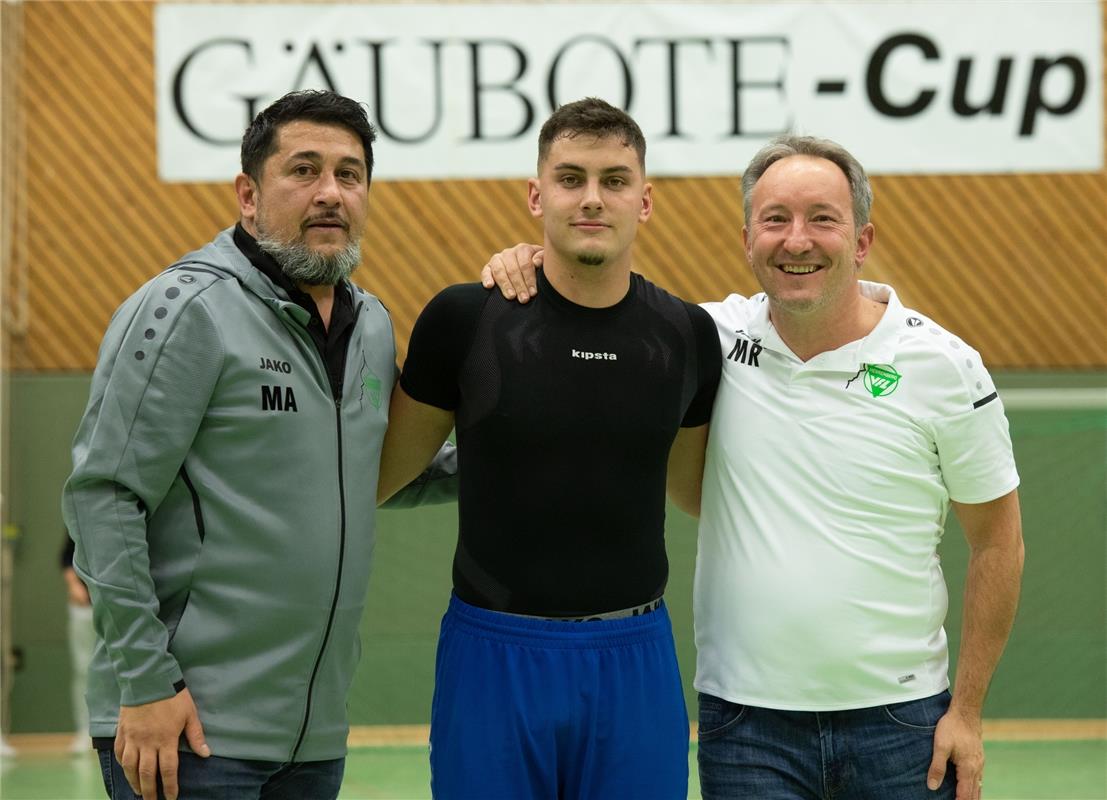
x: 1018, y: 768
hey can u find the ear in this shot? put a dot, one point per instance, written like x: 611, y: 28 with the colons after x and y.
x: 864, y: 244
x: 534, y: 197
x: 247, y: 193
x: 647, y: 203
x: 747, y: 243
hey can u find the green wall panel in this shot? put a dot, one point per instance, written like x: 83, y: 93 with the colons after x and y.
x: 1055, y: 665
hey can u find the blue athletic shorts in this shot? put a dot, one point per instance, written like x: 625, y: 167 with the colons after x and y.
x: 534, y: 709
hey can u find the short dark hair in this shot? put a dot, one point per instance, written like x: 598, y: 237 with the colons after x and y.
x: 591, y: 117
x: 325, y: 107
x: 861, y: 191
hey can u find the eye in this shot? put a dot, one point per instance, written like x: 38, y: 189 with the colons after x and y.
x: 824, y: 218
x: 774, y: 218
x: 569, y: 180
x: 303, y: 170
x: 616, y: 182
x: 350, y: 175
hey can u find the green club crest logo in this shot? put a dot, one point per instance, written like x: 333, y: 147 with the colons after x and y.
x: 372, y: 386
x: 881, y: 379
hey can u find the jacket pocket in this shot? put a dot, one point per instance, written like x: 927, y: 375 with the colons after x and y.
x: 173, y: 623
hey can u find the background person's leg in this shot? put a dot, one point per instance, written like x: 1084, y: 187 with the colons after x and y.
x: 81, y: 639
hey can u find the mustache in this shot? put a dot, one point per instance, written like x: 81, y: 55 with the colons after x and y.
x: 330, y: 219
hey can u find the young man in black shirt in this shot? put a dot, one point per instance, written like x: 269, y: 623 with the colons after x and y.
x: 568, y: 411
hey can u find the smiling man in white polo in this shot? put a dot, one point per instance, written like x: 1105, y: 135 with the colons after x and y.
x: 844, y: 426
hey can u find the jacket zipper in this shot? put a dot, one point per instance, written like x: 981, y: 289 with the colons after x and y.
x: 341, y: 542
x: 337, y: 583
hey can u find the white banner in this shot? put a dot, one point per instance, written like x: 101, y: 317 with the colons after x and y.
x: 460, y: 91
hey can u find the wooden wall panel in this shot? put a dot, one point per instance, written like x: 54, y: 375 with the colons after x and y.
x: 1012, y: 263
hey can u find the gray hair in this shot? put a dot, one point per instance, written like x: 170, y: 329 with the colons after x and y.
x: 791, y: 145
x: 303, y: 265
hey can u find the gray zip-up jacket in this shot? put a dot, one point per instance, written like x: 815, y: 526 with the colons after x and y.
x: 222, y: 501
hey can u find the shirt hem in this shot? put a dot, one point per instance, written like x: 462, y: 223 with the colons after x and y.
x: 919, y: 693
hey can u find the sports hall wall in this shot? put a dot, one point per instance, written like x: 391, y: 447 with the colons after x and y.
x: 1013, y: 263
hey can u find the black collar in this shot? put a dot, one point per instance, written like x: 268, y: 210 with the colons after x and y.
x: 343, y: 305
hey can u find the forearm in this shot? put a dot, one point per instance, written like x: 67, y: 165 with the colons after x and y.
x: 684, y: 478
x: 416, y: 432
x: 437, y: 484
x: 685, y: 495
x: 112, y: 560
x: 990, y: 601
x: 117, y: 480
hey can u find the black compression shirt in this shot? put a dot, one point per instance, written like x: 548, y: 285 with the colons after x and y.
x: 565, y: 416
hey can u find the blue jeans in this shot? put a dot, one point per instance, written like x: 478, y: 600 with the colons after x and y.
x: 216, y: 778
x: 879, y: 753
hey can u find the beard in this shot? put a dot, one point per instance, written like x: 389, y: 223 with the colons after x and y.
x: 305, y: 266
x: 590, y: 259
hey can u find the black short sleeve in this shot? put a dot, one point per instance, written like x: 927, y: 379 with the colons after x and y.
x: 442, y: 336
x: 710, y: 360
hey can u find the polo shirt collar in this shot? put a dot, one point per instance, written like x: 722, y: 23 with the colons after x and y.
x: 882, y: 343
x: 879, y: 347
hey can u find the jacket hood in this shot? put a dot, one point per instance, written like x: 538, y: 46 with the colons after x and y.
x: 223, y: 254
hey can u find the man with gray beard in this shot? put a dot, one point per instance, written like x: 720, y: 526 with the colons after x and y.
x: 224, y: 484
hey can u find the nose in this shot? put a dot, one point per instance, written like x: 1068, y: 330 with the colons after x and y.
x: 592, y: 199
x: 326, y: 191
x: 797, y: 239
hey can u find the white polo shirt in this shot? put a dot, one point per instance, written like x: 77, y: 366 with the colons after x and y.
x: 818, y: 585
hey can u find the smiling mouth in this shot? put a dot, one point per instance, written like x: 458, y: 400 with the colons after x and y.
x: 798, y: 269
